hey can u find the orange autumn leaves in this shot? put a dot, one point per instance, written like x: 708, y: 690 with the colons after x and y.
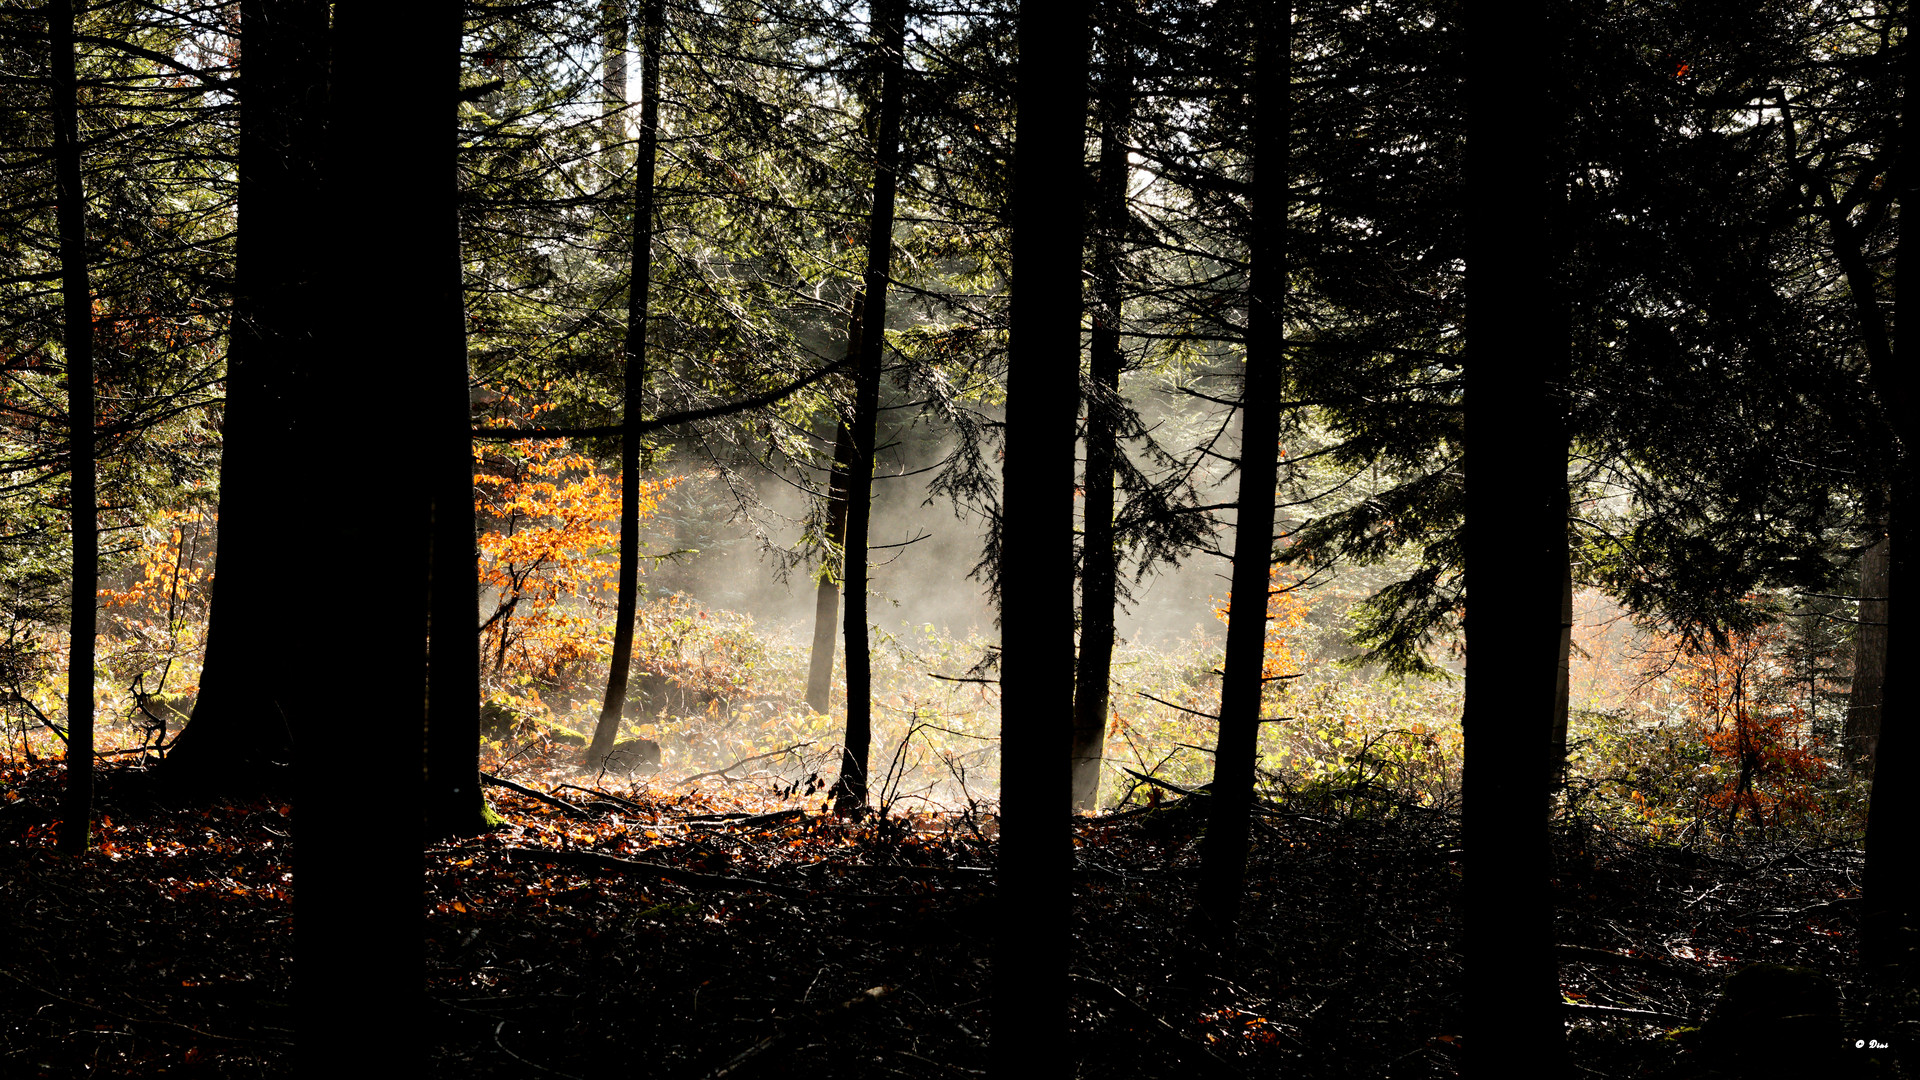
x: 1287, y: 611
x: 549, y: 548
x: 1757, y: 736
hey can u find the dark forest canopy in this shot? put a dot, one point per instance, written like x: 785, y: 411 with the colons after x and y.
x: 333, y: 334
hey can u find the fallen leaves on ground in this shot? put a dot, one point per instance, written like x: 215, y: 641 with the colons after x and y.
x: 702, y: 931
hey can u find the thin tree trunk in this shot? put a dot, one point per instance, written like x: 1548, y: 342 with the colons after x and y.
x: 1890, y: 892
x: 1515, y: 555
x: 239, y: 737
x: 634, y: 351
x: 1223, y: 852
x: 1862, y: 730
x: 76, y: 805
x: 1099, y: 559
x: 1035, y: 543
x: 826, y: 603
x: 1562, y: 685
x: 850, y: 791
x: 614, y: 19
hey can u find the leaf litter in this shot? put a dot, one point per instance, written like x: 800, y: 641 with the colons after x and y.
x: 725, y: 930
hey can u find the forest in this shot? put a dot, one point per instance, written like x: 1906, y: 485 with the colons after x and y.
x: 1107, y: 538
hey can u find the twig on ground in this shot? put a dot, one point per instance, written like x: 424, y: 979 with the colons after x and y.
x: 747, y: 1060
x: 137, y: 1020
x: 530, y: 1064
x: 1645, y: 1016
x: 1205, y: 1060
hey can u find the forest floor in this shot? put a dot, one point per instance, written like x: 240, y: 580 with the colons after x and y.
x: 706, y: 931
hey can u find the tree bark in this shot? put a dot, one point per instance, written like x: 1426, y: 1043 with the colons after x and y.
x: 850, y: 790
x: 1515, y: 553
x: 634, y: 353
x: 1890, y: 893
x: 1030, y: 991
x: 76, y: 804
x: 359, y: 930
x: 239, y: 736
x: 1862, y: 731
x: 456, y: 805
x: 1099, y: 558
x: 1223, y: 852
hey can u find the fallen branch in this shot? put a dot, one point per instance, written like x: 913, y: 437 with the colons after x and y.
x: 608, y: 864
x: 501, y: 1026
x: 728, y: 821
x: 747, y: 1060
x: 125, y: 1019
x: 1581, y: 954
x: 1645, y: 1016
x: 1205, y: 1062
x: 610, y: 798
x: 559, y: 804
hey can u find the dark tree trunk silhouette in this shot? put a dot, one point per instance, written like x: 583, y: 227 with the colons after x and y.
x: 239, y: 734
x: 1890, y: 893
x: 359, y: 923
x: 1515, y: 554
x: 1862, y: 730
x: 890, y: 30
x: 634, y: 352
x: 1099, y: 559
x: 455, y: 804
x: 1562, y: 680
x: 1035, y: 544
x: 826, y: 600
x: 76, y: 804
x: 1223, y: 852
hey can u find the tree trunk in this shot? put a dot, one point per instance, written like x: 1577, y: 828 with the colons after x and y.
x: 634, y: 352
x: 1099, y: 559
x: 1562, y: 682
x: 826, y: 603
x: 1862, y: 730
x: 1515, y: 555
x: 1223, y: 852
x: 1035, y: 542
x: 76, y: 805
x: 455, y: 804
x: 358, y: 919
x: 1890, y: 893
x: 239, y: 737
x: 850, y: 791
